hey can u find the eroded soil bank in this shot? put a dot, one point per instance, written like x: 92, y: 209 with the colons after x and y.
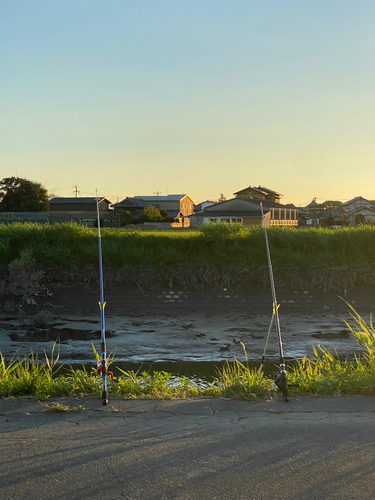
x: 178, y: 323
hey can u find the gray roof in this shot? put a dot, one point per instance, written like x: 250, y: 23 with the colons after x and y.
x: 231, y: 213
x: 259, y: 189
x: 239, y: 207
x: 359, y: 209
x: 170, y: 197
x: 334, y: 212
x: 77, y: 200
x: 130, y: 203
x: 357, y: 198
x: 314, y: 204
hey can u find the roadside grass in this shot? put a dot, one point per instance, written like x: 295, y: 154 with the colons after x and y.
x: 238, y: 380
x: 325, y: 374
x: 213, y: 254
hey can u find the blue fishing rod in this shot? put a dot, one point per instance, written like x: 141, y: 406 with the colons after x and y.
x: 280, y: 378
x: 102, y: 368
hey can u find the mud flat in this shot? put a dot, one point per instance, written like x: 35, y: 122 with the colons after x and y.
x: 179, y: 324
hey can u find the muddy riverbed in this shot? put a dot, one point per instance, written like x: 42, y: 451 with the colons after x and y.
x: 180, y: 325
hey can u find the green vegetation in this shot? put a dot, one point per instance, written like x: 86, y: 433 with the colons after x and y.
x: 326, y: 374
x: 214, y: 254
x: 22, y: 195
x: 332, y: 204
x: 153, y: 214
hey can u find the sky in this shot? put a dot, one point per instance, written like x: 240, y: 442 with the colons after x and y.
x: 197, y: 97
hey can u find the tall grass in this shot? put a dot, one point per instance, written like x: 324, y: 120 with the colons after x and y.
x: 326, y: 374
x: 238, y: 381
x: 215, y: 254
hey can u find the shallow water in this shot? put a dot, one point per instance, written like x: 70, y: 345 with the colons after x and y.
x: 196, y: 371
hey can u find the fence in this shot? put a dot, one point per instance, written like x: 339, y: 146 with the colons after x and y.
x: 110, y: 219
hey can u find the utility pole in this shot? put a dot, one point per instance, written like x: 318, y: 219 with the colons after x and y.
x: 76, y: 191
x: 157, y: 192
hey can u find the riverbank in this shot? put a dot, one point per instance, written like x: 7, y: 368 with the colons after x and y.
x: 180, y: 323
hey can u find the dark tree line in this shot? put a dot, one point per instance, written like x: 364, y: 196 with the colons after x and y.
x: 22, y: 195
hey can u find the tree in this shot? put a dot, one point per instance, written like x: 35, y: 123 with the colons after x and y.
x: 327, y: 221
x: 22, y: 195
x: 359, y: 220
x: 332, y: 204
x: 342, y: 220
x: 151, y: 214
x: 125, y: 218
x: 221, y: 198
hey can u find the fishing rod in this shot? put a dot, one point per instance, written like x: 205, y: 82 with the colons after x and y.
x: 267, y: 339
x: 102, y: 368
x: 280, y: 378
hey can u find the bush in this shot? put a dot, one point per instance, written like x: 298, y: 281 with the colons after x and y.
x: 126, y: 218
x: 151, y: 214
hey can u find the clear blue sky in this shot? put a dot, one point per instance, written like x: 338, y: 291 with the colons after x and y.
x: 201, y: 97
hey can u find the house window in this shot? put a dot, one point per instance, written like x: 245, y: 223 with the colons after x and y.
x: 212, y: 220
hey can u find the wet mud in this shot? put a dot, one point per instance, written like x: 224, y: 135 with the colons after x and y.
x: 163, y: 325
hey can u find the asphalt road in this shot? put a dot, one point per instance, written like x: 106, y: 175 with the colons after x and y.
x: 309, y: 448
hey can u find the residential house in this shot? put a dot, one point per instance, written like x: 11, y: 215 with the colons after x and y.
x: 259, y: 193
x: 314, y: 212
x: 357, y: 202
x: 247, y: 211
x: 359, y: 210
x: 177, y: 206
x: 78, y: 204
x: 132, y: 205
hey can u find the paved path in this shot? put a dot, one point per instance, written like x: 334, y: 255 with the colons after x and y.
x: 309, y: 448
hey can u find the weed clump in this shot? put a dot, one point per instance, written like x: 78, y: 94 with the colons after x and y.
x: 326, y: 374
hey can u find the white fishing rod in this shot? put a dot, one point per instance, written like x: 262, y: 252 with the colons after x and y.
x: 281, y: 376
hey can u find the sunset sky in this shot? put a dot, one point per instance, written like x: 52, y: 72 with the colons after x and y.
x: 134, y: 97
